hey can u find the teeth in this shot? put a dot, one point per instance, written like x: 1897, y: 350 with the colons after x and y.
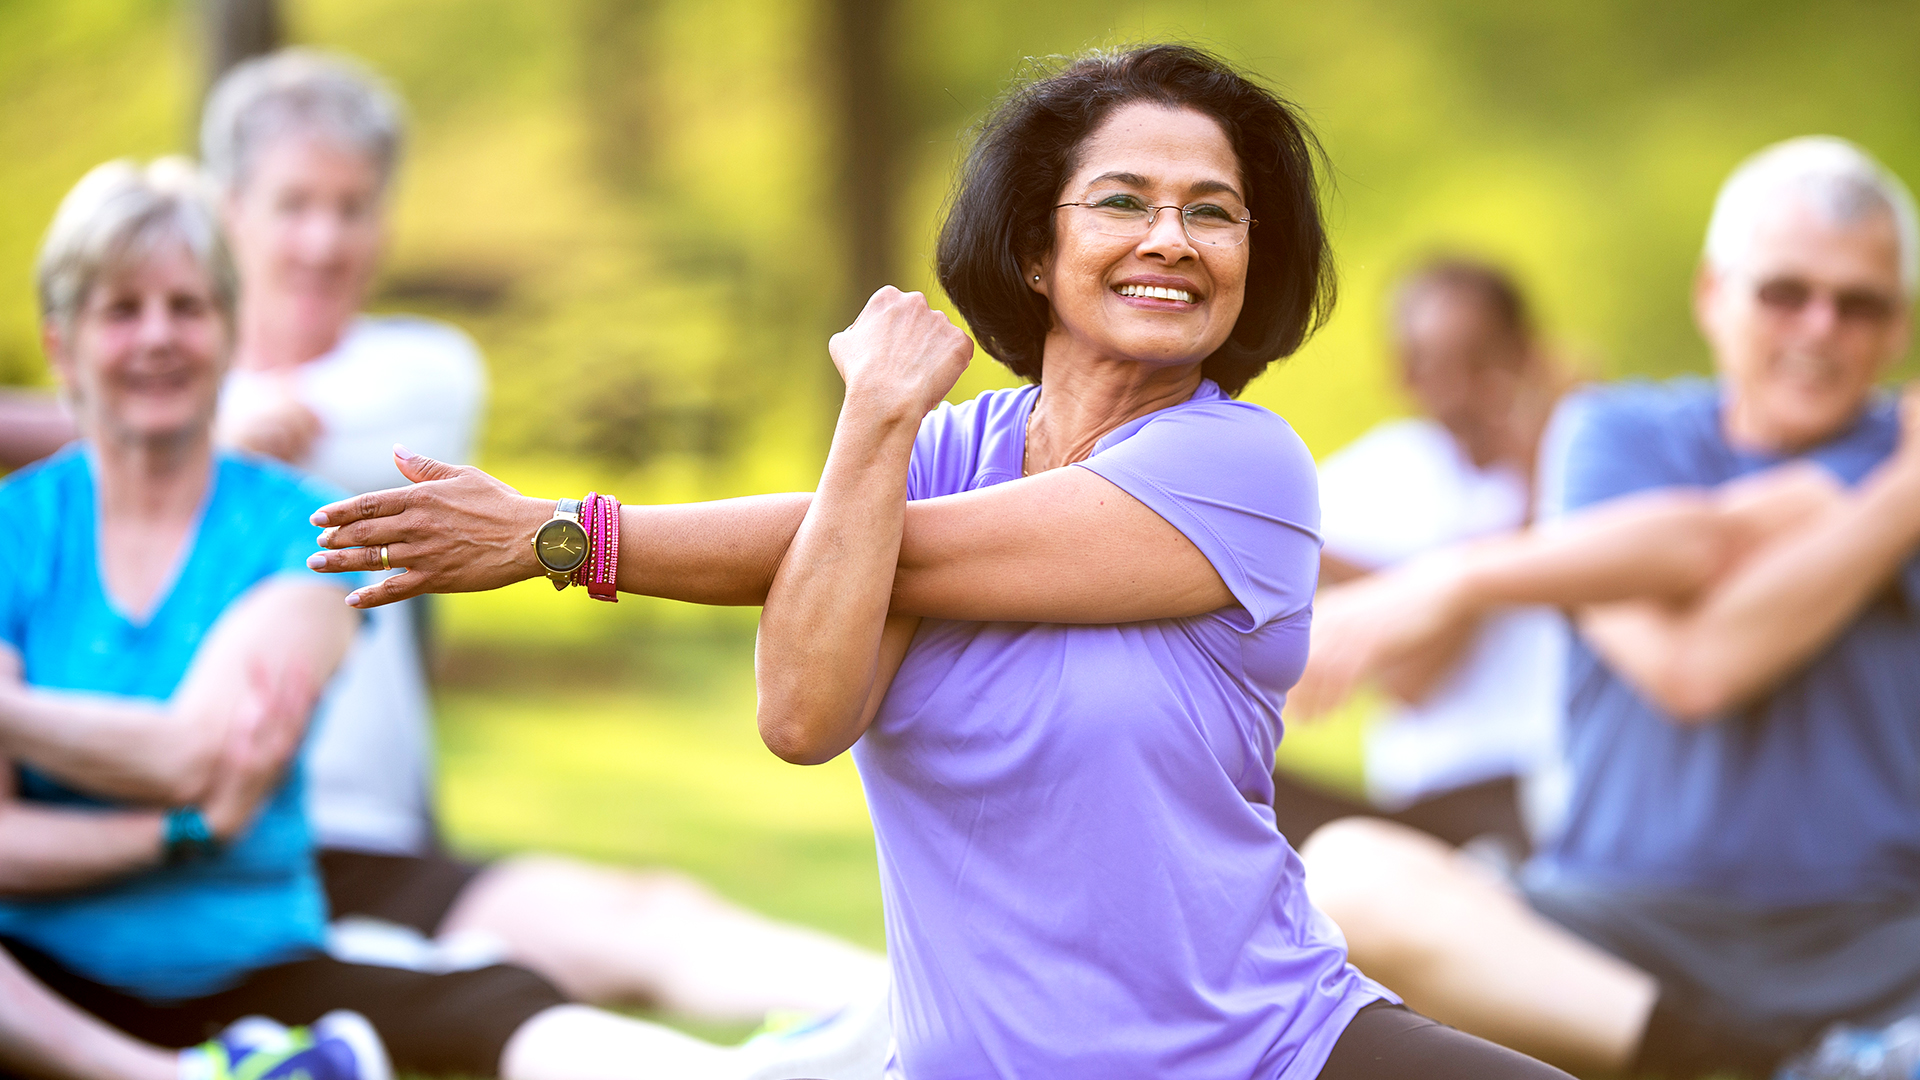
x: 1156, y: 292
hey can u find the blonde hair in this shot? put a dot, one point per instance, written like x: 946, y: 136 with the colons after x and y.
x: 118, y: 214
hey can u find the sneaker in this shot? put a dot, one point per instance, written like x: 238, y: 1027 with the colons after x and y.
x: 851, y: 1044
x: 355, y: 1032
x: 1852, y: 1053
x: 340, y: 1046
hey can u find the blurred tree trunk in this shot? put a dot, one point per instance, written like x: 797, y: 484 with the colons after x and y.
x: 862, y: 48
x: 617, y: 44
x: 238, y: 30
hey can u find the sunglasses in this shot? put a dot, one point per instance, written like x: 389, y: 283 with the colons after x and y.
x: 1790, y: 296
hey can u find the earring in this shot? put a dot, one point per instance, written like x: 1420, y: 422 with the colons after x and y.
x: 1036, y: 277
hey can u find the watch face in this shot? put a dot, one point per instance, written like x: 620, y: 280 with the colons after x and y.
x: 561, y: 545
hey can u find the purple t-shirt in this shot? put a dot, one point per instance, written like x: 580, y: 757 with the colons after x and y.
x: 1078, y: 857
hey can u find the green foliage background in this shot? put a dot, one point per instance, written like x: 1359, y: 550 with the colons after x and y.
x: 630, y: 204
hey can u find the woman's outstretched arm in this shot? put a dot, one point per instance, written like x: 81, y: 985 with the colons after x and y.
x: 458, y: 529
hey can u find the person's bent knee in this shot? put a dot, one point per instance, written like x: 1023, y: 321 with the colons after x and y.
x: 1370, y: 875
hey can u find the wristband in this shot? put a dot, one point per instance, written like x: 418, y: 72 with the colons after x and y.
x: 599, y: 571
x: 185, y: 837
x: 605, y: 583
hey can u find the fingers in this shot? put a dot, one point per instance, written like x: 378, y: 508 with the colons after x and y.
x: 362, y: 559
x: 388, y: 590
x: 373, y: 504
x: 421, y: 469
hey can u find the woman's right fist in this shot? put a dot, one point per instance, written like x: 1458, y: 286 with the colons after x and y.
x: 900, y: 354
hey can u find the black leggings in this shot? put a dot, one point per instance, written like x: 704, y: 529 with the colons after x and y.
x: 455, y: 1023
x: 1392, y: 1042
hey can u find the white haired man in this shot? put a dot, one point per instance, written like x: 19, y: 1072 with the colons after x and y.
x: 1739, y: 867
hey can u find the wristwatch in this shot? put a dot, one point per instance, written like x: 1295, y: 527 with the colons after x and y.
x: 560, y: 543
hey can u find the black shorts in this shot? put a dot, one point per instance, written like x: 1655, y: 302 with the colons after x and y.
x: 411, y: 890
x: 1392, y: 1042
x: 1490, y: 808
x: 457, y: 1022
x: 1783, y: 974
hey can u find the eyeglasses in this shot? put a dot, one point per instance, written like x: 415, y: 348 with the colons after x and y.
x: 1132, y: 217
x: 1790, y: 296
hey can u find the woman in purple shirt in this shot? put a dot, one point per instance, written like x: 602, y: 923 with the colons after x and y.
x: 1062, y: 684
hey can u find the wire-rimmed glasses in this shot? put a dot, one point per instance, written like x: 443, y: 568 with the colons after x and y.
x: 1132, y: 217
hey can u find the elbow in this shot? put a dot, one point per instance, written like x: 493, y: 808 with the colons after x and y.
x: 1690, y: 694
x: 795, y: 746
x: 182, y: 777
x: 797, y: 739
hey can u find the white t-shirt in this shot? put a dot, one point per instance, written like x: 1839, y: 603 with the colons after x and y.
x: 1405, y: 488
x: 392, y: 379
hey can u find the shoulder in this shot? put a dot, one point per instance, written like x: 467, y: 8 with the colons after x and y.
x: 1620, y: 437
x: 413, y: 340
x: 1641, y: 409
x: 1215, y: 449
x: 38, y: 491
x: 1220, y: 430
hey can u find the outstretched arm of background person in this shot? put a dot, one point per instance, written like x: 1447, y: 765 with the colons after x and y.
x: 51, y: 848
x: 148, y: 752
x: 1778, y: 607
x: 32, y: 425
x: 1668, y: 546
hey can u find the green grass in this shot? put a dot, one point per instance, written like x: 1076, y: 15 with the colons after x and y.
x: 641, y: 751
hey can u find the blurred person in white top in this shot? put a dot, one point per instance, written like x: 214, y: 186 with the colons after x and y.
x: 304, y: 146
x: 1464, y: 747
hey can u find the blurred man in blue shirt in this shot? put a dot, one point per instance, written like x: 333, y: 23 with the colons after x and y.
x: 1739, y: 867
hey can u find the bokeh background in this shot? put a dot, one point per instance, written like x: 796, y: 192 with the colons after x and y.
x: 651, y: 214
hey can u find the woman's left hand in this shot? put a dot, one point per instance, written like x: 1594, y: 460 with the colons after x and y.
x: 456, y: 529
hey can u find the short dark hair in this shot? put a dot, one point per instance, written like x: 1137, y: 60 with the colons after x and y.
x: 1485, y: 281
x: 1000, y: 218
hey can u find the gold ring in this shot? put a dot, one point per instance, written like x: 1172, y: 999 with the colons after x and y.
x: 384, y: 564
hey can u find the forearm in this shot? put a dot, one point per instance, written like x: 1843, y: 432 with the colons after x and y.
x: 1665, y: 545
x: 1783, y: 604
x: 724, y: 552
x: 32, y: 425
x: 133, y: 750
x: 820, y: 632
x: 48, y: 851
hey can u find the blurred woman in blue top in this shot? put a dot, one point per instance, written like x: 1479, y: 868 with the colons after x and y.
x: 122, y: 552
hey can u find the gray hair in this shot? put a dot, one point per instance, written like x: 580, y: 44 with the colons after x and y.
x: 304, y: 92
x: 120, y: 213
x: 1840, y: 181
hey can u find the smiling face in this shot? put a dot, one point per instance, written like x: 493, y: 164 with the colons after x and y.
x: 1801, y: 332
x: 143, y: 358
x: 307, y: 226
x: 1156, y: 298
x: 1461, y: 364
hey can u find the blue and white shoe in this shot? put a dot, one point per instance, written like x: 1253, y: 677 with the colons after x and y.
x: 341, y: 1045
x: 1852, y: 1053
x: 851, y: 1044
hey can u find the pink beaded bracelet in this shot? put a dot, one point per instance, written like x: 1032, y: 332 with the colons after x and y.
x: 600, y: 572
